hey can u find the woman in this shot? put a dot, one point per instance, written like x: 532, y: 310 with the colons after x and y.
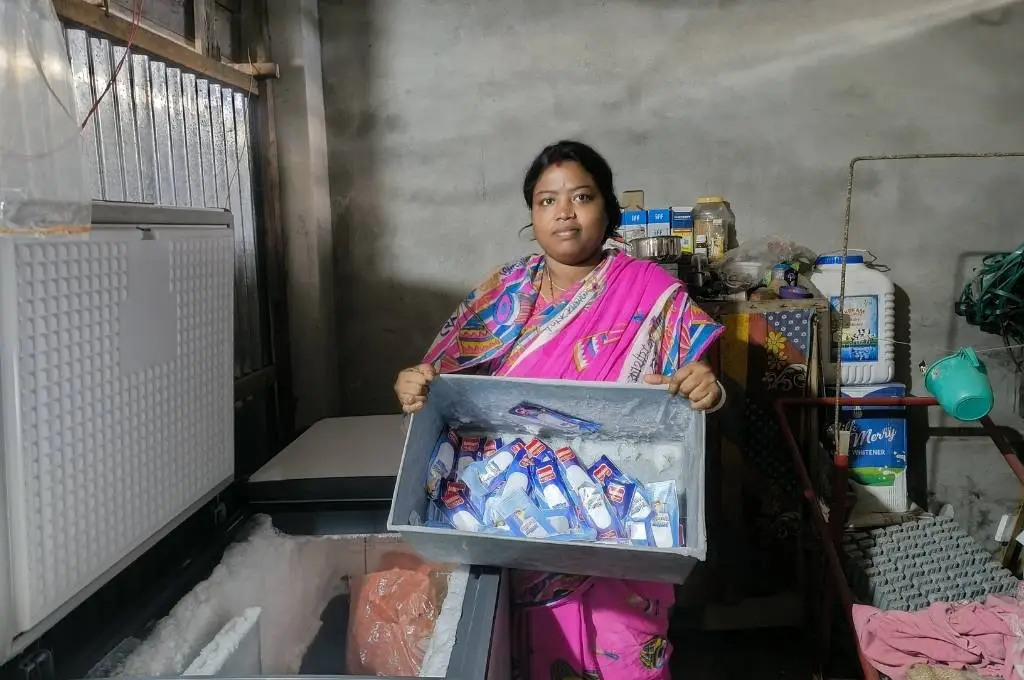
x: 579, y: 312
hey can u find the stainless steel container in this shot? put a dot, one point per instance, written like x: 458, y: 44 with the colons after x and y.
x: 661, y: 249
x: 697, y: 274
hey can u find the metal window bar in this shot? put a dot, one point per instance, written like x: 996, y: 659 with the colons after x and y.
x: 830, y: 530
x: 166, y: 136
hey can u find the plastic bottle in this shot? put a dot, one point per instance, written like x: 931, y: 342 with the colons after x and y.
x: 870, y: 321
x: 714, y: 219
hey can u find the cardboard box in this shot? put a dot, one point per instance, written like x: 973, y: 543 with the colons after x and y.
x: 685, y: 240
x: 633, y: 199
x: 681, y: 225
x: 634, y: 225
x: 646, y: 432
x: 658, y: 222
x: 878, y: 449
x: 682, y: 216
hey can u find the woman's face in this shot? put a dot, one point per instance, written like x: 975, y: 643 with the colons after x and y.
x: 568, y: 214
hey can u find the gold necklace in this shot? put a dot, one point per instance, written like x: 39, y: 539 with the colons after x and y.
x: 551, y: 284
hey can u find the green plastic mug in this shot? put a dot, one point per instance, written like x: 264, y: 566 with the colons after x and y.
x: 960, y: 384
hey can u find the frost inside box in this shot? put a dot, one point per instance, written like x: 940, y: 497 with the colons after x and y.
x: 649, y: 435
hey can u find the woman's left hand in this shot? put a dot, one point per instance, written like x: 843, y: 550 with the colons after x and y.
x: 694, y: 381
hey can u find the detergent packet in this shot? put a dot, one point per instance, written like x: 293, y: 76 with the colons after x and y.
x: 491, y: 446
x: 492, y: 520
x: 518, y: 475
x: 545, y: 418
x: 470, y: 450
x: 490, y: 515
x: 523, y: 518
x: 457, y: 507
x: 548, y: 486
x: 638, y: 532
x: 587, y: 498
x: 627, y: 495
x: 442, y: 462
x: 537, y: 447
x: 567, y: 524
x: 484, y: 477
x: 563, y: 520
x: 663, y: 525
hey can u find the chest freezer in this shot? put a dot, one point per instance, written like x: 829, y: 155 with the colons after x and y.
x: 116, y: 378
x: 117, y: 504
x: 265, y: 594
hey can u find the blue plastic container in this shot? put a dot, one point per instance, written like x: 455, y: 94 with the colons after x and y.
x: 960, y: 384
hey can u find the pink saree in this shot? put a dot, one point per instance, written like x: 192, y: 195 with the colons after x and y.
x: 624, y: 320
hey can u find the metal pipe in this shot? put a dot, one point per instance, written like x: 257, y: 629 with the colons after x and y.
x: 825, y: 529
x: 820, y: 525
x: 848, y: 208
x: 1005, y: 448
x: 790, y: 402
x: 838, y: 506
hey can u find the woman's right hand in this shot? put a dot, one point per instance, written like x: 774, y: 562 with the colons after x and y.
x: 411, y: 387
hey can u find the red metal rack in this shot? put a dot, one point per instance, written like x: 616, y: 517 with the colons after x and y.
x: 830, y: 530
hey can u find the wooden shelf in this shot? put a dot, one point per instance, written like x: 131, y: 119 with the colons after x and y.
x: 91, y: 16
x: 719, y: 308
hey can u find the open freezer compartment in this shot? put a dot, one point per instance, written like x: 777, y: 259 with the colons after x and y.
x: 277, y: 599
x: 281, y: 604
x: 649, y: 434
x: 205, y: 601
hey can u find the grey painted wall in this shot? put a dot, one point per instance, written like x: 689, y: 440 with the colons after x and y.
x: 305, y: 209
x: 433, y: 110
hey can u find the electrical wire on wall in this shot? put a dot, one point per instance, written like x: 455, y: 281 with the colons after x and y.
x: 991, y: 303
x: 44, y: 185
x: 248, y: 100
x: 136, y: 21
x: 37, y: 61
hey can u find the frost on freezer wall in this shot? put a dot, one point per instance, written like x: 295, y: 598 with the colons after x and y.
x: 42, y: 172
x: 290, y: 580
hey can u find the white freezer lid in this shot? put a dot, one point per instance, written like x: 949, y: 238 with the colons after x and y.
x: 359, y: 446
x: 117, y: 398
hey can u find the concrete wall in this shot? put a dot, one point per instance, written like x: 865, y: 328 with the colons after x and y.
x: 305, y: 209
x: 433, y: 111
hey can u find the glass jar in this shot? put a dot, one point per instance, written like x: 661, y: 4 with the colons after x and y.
x: 714, y: 219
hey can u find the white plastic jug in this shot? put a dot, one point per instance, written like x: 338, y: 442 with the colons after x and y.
x: 869, y: 325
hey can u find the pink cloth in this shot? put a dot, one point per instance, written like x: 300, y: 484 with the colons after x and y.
x: 572, y: 627
x: 624, y: 320
x: 976, y: 635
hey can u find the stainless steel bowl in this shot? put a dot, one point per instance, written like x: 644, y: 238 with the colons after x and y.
x: 663, y: 249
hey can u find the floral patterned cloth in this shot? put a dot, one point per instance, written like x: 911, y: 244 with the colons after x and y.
x: 625, y: 319
x: 764, y: 356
